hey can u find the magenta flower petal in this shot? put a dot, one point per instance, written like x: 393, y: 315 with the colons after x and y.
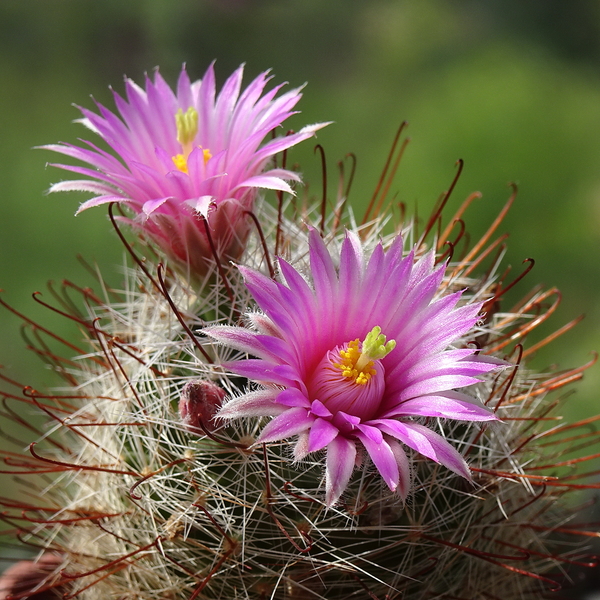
x: 265, y: 181
x: 351, y: 264
x: 254, y: 404
x: 177, y: 152
x: 265, y: 292
x: 403, y: 467
x: 260, y: 370
x: 320, y: 410
x: 440, y: 406
x: 321, y: 434
x: 291, y: 422
x: 436, y: 384
x: 362, y: 351
x: 426, y: 442
x: 324, y: 276
x: 267, y: 347
x: 383, y: 458
x: 293, y: 397
x: 341, y: 456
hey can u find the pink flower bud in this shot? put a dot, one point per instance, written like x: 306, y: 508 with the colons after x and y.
x: 199, y: 402
x: 27, y: 575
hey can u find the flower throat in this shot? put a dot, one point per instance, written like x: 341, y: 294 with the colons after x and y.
x: 358, y: 363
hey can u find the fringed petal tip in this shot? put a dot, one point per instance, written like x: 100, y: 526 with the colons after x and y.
x: 312, y: 129
x: 98, y: 201
x: 253, y: 404
x: 202, y: 205
x: 82, y: 185
x: 267, y: 182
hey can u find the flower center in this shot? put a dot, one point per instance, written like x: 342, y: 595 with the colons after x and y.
x: 187, y: 128
x: 350, y: 378
x: 358, y: 363
x: 349, y: 361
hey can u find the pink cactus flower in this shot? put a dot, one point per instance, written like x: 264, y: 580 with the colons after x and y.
x: 186, y: 156
x: 355, y: 359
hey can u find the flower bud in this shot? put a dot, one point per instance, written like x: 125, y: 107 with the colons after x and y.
x: 200, y: 400
x: 27, y: 575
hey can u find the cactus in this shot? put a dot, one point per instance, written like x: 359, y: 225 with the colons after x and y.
x: 147, y: 488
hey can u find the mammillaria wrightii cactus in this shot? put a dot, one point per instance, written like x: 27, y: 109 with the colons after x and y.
x: 346, y: 414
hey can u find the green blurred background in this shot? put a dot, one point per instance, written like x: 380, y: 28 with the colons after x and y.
x: 510, y: 86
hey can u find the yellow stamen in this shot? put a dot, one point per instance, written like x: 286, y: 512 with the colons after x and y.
x: 187, y: 128
x: 180, y: 161
x: 359, y: 364
x: 348, y: 364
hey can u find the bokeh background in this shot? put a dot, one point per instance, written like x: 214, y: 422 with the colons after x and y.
x: 510, y: 86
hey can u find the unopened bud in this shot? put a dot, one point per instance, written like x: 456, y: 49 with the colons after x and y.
x: 199, y: 402
x: 29, y: 576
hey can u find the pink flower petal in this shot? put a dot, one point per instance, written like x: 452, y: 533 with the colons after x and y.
x: 150, y: 206
x: 291, y: 422
x: 383, y: 458
x: 426, y: 442
x: 403, y: 467
x: 341, y: 454
x: 321, y: 434
x: 440, y: 406
x: 254, y: 404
